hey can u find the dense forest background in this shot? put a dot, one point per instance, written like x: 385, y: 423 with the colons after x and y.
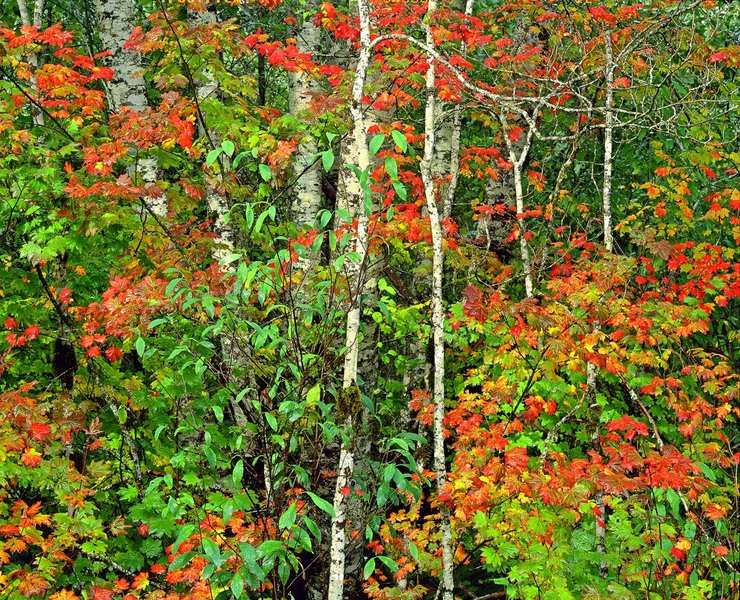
x: 369, y: 299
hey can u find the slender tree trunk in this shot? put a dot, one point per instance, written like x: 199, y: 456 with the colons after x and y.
x: 358, y: 151
x: 440, y: 468
x: 33, y: 19
x: 449, y: 196
x: 608, y: 132
x: 606, y: 191
x: 517, y: 167
x: 116, y: 20
x: 303, y: 87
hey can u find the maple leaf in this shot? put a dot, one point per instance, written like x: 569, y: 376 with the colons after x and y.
x: 627, y: 424
x: 40, y: 431
x: 601, y: 14
x: 31, y: 458
x: 31, y: 584
x: 720, y: 56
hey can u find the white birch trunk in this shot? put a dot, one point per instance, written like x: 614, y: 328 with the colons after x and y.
x: 608, y: 132
x: 303, y: 87
x: 517, y: 165
x: 116, y: 20
x: 33, y: 20
x: 606, y: 191
x: 355, y: 198
x: 440, y: 468
x: 523, y: 244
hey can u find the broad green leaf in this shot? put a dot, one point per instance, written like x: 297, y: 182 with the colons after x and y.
x: 327, y: 160
x: 375, y: 143
x: 265, y: 172
x: 287, y: 519
x: 228, y: 147
x: 400, y: 140
x: 238, y: 473
x: 369, y: 568
x: 322, y: 504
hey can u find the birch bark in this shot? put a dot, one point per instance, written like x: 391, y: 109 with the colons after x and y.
x: 608, y: 132
x: 303, y: 87
x: 517, y: 166
x: 358, y: 151
x: 606, y: 191
x: 33, y: 19
x: 427, y: 163
x: 116, y: 21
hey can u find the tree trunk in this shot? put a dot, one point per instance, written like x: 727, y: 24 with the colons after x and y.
x: 427, y: 163
x: 606, y: 191
x: 303, y: 87
x: 608, y: 131
x: 355, y: 191
x: 33, y: 20
x: 116, y: 20
x: 518, y: 163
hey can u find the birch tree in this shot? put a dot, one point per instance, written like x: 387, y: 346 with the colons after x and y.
x: 127, y: 89
x: 438, y: 318
x: 303, y: 87
x: 518, y: 161
x: 33, y: 19
x: 355, y: 190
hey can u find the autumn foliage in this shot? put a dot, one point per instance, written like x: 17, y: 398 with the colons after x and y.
x: 171, y: 384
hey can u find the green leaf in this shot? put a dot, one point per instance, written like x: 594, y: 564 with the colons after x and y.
x: 210, y: 455
x: 238, y: 473
x: 212, y: 156
x: 228, y: 147
x: 369, y: 568
x: 389, y: 562
x: 265, y: 172
x: 414, y: 551
x: 287, y: 519
x: 322, y: 504
x: 400, y: 140
x: 313, y: 396
x: 212, y: 551
x: 313, y: 528
x: 261, y: 220
x: 271, y: 421
x: 219, y: 412
x: 237, y: 586
x: 140, y: 346
x: 375, y: 143
x: 391, y: 167
x: 400, y: 190
x: 271, y: 547
x: 327, y: 160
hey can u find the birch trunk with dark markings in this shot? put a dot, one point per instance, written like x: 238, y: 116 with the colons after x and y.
x: 358, y: 156
x: 127, y: 89
x: 427, y: 174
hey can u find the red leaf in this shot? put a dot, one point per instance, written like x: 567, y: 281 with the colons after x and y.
x: 40, y: 431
